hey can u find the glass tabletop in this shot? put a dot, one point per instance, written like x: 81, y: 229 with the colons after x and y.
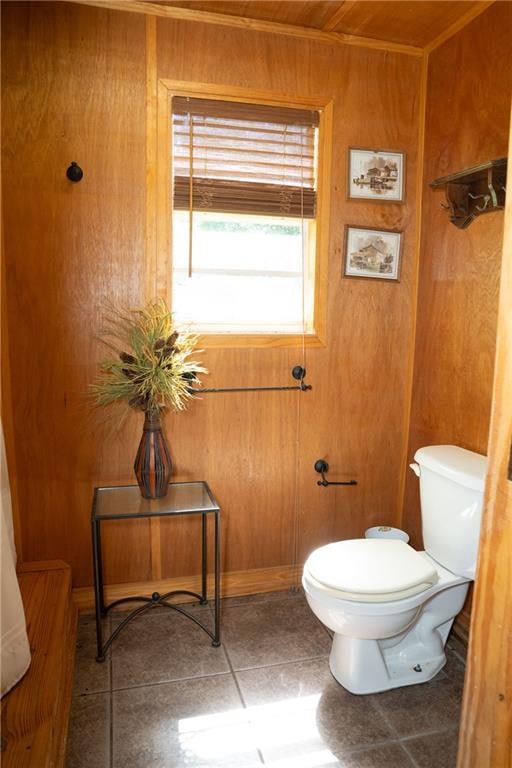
x: 126, y: 501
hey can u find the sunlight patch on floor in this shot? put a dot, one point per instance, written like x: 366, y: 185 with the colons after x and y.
x: 280, y: 726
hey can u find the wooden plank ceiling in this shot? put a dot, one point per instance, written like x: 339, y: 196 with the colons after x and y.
x: 414, y: 22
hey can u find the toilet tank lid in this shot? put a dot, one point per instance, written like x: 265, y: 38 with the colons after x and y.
x: 458, y: 464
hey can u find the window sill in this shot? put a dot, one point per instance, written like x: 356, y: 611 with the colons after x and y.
x: 258, y: 340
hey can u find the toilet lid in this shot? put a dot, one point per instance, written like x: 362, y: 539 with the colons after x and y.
x: 371, y: 569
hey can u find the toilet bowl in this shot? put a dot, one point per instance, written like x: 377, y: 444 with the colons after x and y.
x: 394, y: 639
x: 389, y: 606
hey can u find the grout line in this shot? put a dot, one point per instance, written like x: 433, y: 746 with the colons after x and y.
x: 111, y: 700
x: 407, y: 739
x: 90, y: 693
x: 375, y: 704
x: 162, y: 610
x: 256, y: 598
x: 381, y: 711
x: 372, y: 745
x: 111, y: 732
x: 426, y: 734
x: 242, y: 698
x: 409, y: 756
x: 458, y: 656
x: 287, y: 662
x: 215, y: 674
x: 403, y: 739
x: 169, y: 682
x: 82, y: 646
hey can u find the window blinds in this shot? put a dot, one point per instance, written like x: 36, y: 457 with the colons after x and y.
x: 235, y: 157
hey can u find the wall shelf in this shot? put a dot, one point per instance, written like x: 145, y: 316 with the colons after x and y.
x: 474, y: 191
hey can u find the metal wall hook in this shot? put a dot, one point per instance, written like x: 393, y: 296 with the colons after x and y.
x: 483, y: 207
x: 321, y: 466
x: 485, y: 198
x: 74, y: 172
x: 474, y: 191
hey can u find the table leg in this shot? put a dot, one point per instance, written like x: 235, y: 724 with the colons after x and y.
x: 216, y: 641
x: 204, y: 586
x: 98, y: 587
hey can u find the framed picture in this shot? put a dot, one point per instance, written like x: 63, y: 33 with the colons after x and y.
x: 376, y: 175
x: 372, y: 253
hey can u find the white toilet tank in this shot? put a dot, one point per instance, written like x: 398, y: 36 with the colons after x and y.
x: 451, y: 493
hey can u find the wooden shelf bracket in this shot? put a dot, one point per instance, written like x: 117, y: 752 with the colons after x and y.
x: 474, y: 191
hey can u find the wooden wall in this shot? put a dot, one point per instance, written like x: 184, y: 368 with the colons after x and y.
x: 467, y: 119
x: 485, y: 736
x: 73, y: 89
x: 74, y: 83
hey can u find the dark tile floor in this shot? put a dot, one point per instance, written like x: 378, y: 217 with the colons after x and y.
x: 165, y: 698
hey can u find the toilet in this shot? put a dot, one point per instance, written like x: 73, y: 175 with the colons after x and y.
x: 390, y: 607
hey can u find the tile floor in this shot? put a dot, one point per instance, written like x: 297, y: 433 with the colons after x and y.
x: 165, y: 698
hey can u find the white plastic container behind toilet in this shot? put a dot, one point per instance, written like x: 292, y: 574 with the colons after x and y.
x: 386, y: 532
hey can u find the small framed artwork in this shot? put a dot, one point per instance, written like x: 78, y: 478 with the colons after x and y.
x: 376, y: 175
x: 372, y: 253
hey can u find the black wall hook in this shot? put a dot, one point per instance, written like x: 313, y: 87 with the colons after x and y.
x: 321, y: 466
x: 74, y: 172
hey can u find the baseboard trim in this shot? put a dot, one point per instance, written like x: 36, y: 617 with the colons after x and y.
x: 232, y: 583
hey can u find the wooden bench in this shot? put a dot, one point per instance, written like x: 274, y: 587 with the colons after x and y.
x: 35, y: 712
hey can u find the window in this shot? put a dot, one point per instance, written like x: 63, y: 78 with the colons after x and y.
x: 244, y: 216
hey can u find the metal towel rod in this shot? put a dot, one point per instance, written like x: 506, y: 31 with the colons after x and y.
x: 298, y: 373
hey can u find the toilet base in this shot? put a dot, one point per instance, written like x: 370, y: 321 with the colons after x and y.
x: 363, y: 666
x: 381, y: 646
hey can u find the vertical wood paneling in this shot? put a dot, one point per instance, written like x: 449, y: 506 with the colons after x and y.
x: 151, y: 226
x: 485, y: 739
x: 9, y: 479
x: 414, y: 324
x: 466, y: 123
x: 151, y: 157
x: 76, y: 81
x: 73, y: 89
x: 354, y: 415
x: 358, y: 404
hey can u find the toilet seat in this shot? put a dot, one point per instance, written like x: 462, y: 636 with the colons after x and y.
x: 370, y: 570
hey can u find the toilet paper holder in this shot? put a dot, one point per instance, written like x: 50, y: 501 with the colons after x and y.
x: 321, y: 466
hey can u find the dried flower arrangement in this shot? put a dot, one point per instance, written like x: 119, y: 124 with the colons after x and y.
x: 150, y: 367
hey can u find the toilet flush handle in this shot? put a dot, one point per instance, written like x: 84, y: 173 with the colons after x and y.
x: 415, y: 468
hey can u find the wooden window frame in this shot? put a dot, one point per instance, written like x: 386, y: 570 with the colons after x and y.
x: 160, y: 259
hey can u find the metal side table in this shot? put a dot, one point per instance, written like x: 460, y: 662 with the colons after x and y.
x: 125, y: 501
